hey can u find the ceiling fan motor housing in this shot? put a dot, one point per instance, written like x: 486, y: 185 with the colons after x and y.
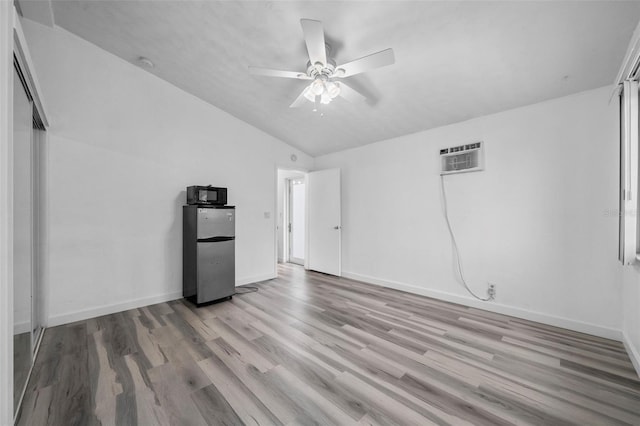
x: 319, y: 70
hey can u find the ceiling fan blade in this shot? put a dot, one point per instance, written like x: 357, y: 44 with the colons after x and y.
x: 278, y: 73
x: 314, y: 38
x: 366, y: 63
x: 350, y: 94
x: 300, y: 99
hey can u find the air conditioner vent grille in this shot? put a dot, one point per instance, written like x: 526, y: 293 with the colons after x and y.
x: 463, y: 158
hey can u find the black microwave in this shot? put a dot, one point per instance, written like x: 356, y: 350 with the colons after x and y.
x: 206, y: 195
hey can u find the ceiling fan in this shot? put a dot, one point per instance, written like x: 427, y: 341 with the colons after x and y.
x: 323, y: 71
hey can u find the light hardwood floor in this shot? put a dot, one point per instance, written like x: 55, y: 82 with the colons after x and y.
x: 314, y: 349
x: 21, y: 363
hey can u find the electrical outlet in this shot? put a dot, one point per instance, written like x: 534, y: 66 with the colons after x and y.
x: 491, y: 291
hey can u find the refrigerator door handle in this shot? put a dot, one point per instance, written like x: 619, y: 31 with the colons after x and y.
x: 215, y: 239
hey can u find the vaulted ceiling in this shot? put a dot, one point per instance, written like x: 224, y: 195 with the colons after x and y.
x: 454, y: 60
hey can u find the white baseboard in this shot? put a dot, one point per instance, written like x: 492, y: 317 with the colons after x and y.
x: 583, y: 327
x: 111, y: 309
x: 136, y: 303
x: 22, y: 327
x: 633, y: 351
x: 254, y: 279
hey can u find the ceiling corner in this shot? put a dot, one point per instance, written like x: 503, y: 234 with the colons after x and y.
x: 40, y: 11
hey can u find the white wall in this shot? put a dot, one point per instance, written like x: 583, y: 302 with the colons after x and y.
x: 123, y: 145
x: 533, y: 223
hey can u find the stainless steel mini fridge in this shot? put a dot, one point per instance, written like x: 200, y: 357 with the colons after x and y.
x: 208, y: 270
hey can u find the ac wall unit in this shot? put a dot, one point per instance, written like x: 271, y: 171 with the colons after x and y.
x: 461, y: 159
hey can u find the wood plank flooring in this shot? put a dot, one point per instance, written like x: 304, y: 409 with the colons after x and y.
x: 313, y: 349
x: 22, y: 356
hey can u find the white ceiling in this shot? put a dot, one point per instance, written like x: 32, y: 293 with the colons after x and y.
x: 454, y: 60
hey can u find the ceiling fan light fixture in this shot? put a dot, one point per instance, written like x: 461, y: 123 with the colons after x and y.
x: 325, y: 98
x: 322, y: 70
x: 332, y: 88
x: 308, y: 93
x: 317, y: 87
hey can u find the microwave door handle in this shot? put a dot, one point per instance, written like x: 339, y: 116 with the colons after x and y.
x: 215, y: 239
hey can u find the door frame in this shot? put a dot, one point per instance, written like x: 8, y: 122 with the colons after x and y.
x: 40, y: 253
x: 13, y: 46
x: 38, y: 150
x: 6, y: 212
x: 276, y: 208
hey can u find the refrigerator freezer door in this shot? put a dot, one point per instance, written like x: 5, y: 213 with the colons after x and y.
x: 216, y: 223
x: 216, y: 270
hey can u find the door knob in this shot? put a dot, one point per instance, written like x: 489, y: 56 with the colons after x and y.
x: 336, y: 227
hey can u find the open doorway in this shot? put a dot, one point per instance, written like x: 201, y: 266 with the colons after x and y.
x: 291, y: 216
x: 296, y: 214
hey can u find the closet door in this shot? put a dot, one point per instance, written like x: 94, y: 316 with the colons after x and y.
x: 23, y: 247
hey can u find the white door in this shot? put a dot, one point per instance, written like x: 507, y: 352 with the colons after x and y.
x: 324, y: 225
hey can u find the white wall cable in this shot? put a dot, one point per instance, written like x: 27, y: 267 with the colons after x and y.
x: 455, y: 244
